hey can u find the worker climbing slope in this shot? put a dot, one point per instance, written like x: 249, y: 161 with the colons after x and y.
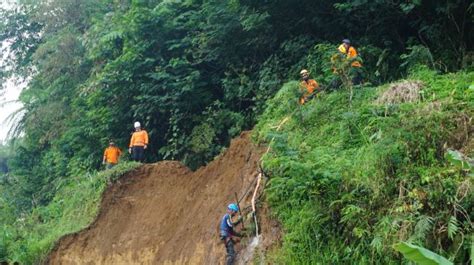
x: 164, y: 213
x: 227, y: 233
x: 138, y: 143
x: 351, y: 55
x: 346, y: 62
x: 307, y: 87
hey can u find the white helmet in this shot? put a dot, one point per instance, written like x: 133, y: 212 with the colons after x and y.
x: 137, y: 124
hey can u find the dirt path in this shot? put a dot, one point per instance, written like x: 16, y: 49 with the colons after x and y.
x: 164, y: 213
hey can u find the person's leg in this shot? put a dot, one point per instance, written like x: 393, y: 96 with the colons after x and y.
x: 335, y: 83
x: 109, y: 165
x: 140, y: 153
x: 356, y: 74
x: 229, y: 246
x: 135, y: 154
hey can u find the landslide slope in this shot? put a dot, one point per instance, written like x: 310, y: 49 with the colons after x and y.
x: 164, y: 213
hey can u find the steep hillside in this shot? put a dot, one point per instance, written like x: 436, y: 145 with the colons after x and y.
x: 352, y: 178
x: 163, y: 213
x: 349, y: 175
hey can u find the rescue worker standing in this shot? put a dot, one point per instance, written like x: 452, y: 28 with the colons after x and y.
x: 227, y: 233
x: 111, y: 155
x: 307, y: 86
x: 138, y: 143
x: 351, y: 54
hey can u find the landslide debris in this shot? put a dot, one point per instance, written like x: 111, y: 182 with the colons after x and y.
x: 164, y: 213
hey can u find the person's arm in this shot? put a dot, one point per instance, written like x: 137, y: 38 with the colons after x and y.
x: 232, y: 224
x: 239, y: 220
x: 119, y: 153
x: 302, y: 89
x: 105, y: 157
x: 352, y: 52
x: 146, y: 139
x: 132, y: 140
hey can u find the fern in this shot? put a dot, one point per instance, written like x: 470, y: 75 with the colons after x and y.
x: 112, y: 36
x: 422, y: 227
x: 376, y: 244
x: 453, y: 227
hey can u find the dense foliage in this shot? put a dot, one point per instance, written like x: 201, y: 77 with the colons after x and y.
x: 355, y: 179
x: 194, y: 73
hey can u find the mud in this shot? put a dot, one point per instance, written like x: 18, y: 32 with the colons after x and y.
x: 164, y: 213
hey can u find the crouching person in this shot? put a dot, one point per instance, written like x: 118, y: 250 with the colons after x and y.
x: 227, y: 233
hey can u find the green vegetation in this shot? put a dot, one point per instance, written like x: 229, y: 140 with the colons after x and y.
x: 28, y: 239
x: 420, y: 255
x: 356, y: 179
x: 196, y: 73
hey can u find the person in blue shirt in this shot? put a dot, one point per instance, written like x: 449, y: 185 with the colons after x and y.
x: 227, y: 232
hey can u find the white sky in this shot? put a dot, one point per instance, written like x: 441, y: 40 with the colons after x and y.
x: 8, y: 96
x: 8, y: 105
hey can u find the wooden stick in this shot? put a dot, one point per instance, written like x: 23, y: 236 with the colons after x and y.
x: 238, y: 205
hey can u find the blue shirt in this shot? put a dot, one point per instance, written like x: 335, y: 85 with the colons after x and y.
x: 227, y: 227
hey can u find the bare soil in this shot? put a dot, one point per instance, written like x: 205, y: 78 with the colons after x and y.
x: 164, y: 213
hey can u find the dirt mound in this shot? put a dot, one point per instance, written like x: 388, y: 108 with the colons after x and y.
x: 164, y: 213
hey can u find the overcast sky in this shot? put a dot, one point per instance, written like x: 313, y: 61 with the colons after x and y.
x: 8, y: 105
x: 8, y: 96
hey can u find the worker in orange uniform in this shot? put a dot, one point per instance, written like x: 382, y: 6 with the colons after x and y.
x: 111, y: 155
x: 307, y: 87
x: 138, y: 143
x: 351, y: 54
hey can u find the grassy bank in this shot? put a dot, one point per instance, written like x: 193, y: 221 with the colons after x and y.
x: 27, y: 240
x: 350, y: 179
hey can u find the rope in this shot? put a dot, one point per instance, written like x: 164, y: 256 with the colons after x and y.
x: 253, y: 203
x: 247, y: 190
x: 259, y: 178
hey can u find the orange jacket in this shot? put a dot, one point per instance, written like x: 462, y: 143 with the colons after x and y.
x: 139, y: 138
x: 111, y: 154
x: 308, y: 88
x: 352, y: 53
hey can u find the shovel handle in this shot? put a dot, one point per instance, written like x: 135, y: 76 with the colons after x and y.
x: 238, y: 205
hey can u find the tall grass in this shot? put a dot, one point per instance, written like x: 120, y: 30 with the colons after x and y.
x: 348, y: 182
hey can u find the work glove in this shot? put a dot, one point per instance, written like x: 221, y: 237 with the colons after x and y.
x: 145, y: 146
x: 129, y: 150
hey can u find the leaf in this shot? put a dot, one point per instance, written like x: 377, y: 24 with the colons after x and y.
x: 407, y: 8
x: 453, y: 227
x: 422, y: 227
x: 112, y: 36
x: 377, y: 243
x: 420, y: 255
x: 457, y: 158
